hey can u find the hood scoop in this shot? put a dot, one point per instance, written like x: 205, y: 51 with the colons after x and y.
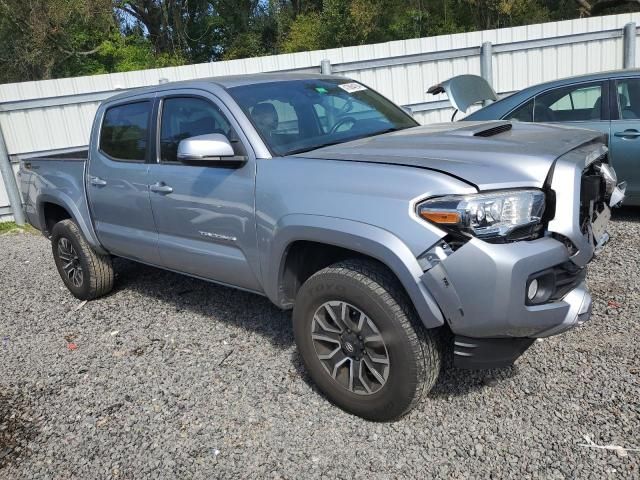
x: 483, y: 129
x: 495, y: 130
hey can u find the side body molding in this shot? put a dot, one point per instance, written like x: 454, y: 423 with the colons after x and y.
x: 363, y: 238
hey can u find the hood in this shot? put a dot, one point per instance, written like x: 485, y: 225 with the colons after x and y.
x: 486, y: 155
x: 464, y: 91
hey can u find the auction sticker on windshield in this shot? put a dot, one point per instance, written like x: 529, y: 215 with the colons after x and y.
x: 352, y: 87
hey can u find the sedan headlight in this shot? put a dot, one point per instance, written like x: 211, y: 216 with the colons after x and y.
x: 488, y: 216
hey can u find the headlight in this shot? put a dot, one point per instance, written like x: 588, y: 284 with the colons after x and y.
x: 486, y: 215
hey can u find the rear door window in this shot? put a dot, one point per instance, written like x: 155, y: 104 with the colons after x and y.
x: 125, y: 131
x: 575, y: 103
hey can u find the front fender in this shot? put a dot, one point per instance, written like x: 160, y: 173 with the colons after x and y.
x: 79, y: 212
x: 360, y: 237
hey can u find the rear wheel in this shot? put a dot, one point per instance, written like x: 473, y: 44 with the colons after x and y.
x: 87, y: 274
x: 361, y: 341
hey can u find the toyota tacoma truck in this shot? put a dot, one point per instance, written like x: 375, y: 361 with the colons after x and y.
x: 391, y: 242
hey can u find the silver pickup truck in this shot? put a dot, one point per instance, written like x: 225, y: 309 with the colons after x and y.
x: 392, y: 242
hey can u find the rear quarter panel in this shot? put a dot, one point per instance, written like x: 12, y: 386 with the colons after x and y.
x: 61, y: 182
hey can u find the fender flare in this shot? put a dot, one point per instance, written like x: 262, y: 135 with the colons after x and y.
x: 63, y: 200
x: 363, y: 238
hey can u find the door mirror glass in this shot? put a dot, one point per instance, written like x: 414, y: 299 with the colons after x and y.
x: 205, y: 148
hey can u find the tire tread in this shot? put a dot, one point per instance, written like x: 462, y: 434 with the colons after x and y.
x: 100, y: 275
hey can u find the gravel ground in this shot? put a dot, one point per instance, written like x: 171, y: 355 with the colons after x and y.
x: 170, y: 377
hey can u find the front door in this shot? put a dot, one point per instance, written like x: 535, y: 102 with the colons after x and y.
x: 118, y: 182
x: 625, y: 137
x: 204, y: 214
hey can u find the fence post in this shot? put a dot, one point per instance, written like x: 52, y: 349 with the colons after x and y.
x: 10, y: 183
x: 486, y: 65
x: 325, y: 67
x: 629, y: 46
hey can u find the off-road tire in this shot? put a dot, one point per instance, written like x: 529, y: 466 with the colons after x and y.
x: 414, y: 352
x: 97, y: 270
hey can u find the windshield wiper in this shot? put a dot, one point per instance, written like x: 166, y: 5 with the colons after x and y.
x: 336, y: 142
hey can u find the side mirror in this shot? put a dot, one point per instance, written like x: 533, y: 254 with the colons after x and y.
x: 213, y: 147
x: 407, y: 110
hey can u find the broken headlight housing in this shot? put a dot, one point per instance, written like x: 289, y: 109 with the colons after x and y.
x: 502, y: 215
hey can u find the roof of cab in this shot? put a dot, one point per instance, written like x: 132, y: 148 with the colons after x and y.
x: 228, y: 81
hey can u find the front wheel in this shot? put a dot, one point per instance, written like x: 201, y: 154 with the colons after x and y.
x: 361, y: 341
x: 86, y: 274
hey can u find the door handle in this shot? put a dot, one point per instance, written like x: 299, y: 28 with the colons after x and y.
x: 161, y: 187
x: 98, y: 182
x: 628, y: 133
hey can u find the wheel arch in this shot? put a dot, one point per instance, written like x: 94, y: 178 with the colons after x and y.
x: 342, y: 237
x: 59, y: 206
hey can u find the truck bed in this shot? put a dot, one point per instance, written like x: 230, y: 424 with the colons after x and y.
x: 80, y: 154
x: 61, y: 175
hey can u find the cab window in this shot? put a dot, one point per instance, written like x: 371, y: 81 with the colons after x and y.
x: 125, y: 131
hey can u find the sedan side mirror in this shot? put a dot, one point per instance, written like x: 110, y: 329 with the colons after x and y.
x: 213, y: 147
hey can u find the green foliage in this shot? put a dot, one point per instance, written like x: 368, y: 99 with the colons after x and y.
x: 304, y: 34
x: 133, y: 52
x: 48, y: 38
x: 7, y: 227
x: 11, y: 227
x: 42, y: 39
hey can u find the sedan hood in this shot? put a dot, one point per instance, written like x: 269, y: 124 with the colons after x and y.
x: 487, y: 155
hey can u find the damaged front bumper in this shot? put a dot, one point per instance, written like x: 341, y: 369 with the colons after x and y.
x: 482, y: 291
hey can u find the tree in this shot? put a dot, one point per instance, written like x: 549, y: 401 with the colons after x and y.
x: 592, y: 8
x: 52, y: 38
x: 178, y: 28
x: 305, y: 33
x: 39, y: 36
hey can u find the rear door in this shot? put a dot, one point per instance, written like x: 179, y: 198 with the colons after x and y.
x: 625, y: 135
x: 583, y: 105
x: 118, y: 181
x: 204, y: 214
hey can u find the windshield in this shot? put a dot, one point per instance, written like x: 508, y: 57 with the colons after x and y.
x: 301, y: 115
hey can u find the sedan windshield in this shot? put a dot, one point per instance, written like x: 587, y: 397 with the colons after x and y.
x: 301, y: 115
